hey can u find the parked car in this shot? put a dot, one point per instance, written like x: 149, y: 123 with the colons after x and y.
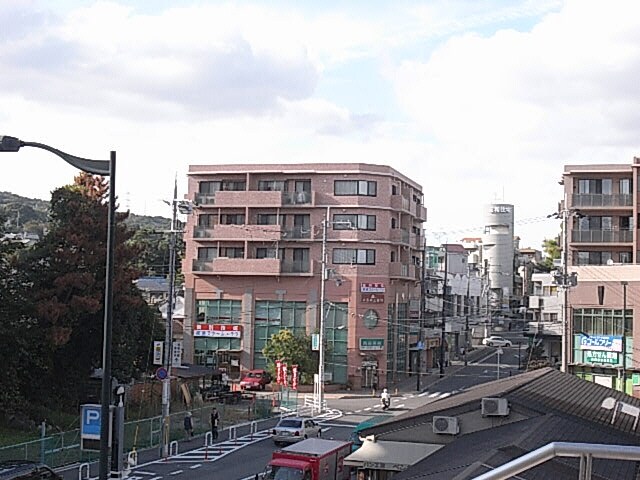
x: 26, y: 470
x: 294, y: 429
x: 496, y: 341
x: 255, y: 380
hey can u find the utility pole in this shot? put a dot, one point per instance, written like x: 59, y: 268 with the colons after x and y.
x: 320, y: 383
x: 624, y: 336
x: 444, y: 311
x: 466, y: 319
x: 168, y: 339
x: 565, y: 281
x: 421, y: 318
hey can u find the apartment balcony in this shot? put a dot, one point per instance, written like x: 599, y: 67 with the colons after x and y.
x: 404, y: 271
x: 602, y: 236
x: 260, y: 233
x: 399, y: 235
x: 398, y: 202
x: 297, y: 233
x: 251, y: 267
x: 254, y: 198
x: 598, y: 200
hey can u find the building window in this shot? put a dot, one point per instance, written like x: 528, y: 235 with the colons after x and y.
x: 602, y: 321
x: 206, y: 220
x: 268, y: 252
x: 232, y: 252
x: 625, y: 186
x: 355, y: 187
x: 626, y: 223
x: 271, y: 316
x: 272, y: 185
x: 232, y: 219
x: 593, y: 258
x: 625, y: 257
x: 234, y: 185
x: 354, y: 221
x: 354, y: 256
x: 208, y: 188
x: 207, y: 253
x: 217, y: 312
x: 270, y: 219
x: 596, y: 186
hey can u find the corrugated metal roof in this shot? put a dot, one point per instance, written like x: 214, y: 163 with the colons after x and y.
x: 544, y: 390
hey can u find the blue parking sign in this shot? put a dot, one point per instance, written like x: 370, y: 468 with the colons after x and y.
x: 91, y: 421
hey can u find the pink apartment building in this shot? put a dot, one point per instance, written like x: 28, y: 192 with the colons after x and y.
x: 602, y: 208
x: 253, y: 265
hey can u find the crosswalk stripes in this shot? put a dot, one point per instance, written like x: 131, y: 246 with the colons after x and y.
x: 219, y: 450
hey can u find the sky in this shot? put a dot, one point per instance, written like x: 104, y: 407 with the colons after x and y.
x: 479, y: 101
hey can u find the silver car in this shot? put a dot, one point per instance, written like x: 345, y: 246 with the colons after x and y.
x: 496, y: 341
x: 294, y: 429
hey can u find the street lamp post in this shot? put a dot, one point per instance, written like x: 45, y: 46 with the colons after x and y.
x: 104, y: 168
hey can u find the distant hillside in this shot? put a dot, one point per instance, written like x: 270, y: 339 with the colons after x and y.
x: 21, y: 214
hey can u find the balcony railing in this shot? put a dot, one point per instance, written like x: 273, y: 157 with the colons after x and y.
x: 400, y: 236
x: 297, y: 233
x: 296, y: 267
x: 250, y: 266
x: 602, y: 236
x: 601, y: 200
x: 296, y: 198
x: 205, y: 198
x: 404, y: 270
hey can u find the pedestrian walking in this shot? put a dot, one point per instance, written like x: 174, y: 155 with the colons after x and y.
x: 215, y: 421
x: 188, y: 425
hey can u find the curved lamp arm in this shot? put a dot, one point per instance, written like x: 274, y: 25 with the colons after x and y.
x: 96, y: 167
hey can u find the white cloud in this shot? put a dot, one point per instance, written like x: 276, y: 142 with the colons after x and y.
x: 489, y: 99
x: 510, y: 109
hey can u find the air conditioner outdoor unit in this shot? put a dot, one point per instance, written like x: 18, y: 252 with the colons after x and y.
x: 495, y: 407
x: 445, y: 425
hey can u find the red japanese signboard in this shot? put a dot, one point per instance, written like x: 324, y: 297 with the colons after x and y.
x: 217, y: 330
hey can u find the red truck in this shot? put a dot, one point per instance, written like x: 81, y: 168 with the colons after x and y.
x: 311, y: 459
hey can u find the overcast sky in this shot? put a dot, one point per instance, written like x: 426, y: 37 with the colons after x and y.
x: 478, y: 101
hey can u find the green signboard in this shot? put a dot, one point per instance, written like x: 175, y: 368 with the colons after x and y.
x: 635, y: 379
x: 597, y: 356
x: 372, y: 344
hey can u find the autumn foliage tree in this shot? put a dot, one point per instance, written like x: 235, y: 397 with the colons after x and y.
x: 67, y: 274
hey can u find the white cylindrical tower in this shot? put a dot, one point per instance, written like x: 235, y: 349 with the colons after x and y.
x: 497, y: 251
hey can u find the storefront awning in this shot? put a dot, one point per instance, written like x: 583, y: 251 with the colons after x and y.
x: 384, y: 455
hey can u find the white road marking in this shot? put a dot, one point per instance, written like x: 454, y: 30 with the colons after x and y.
x: 434, y: 394
x: 400, y: 406
x: 358, y: 411
x: 423, y: 394
x: 198, y: 465
x: 367, y: 409
x: 155, y: 478
x: 377, y: 406
x: 140, y: 472
x: 445, y: 395
x: 403, y: 398
x: 176, y: 472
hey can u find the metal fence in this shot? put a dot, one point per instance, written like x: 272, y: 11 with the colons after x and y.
x: 64, y: 448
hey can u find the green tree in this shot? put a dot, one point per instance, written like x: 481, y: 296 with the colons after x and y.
x: 19, y: 345
x: 292, y: 349
x: 552, y: 250
x: 67, y: 271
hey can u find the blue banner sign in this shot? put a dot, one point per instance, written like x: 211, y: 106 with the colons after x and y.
x: 605, y: 343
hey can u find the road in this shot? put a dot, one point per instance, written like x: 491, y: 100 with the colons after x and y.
x: 242, y: 458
